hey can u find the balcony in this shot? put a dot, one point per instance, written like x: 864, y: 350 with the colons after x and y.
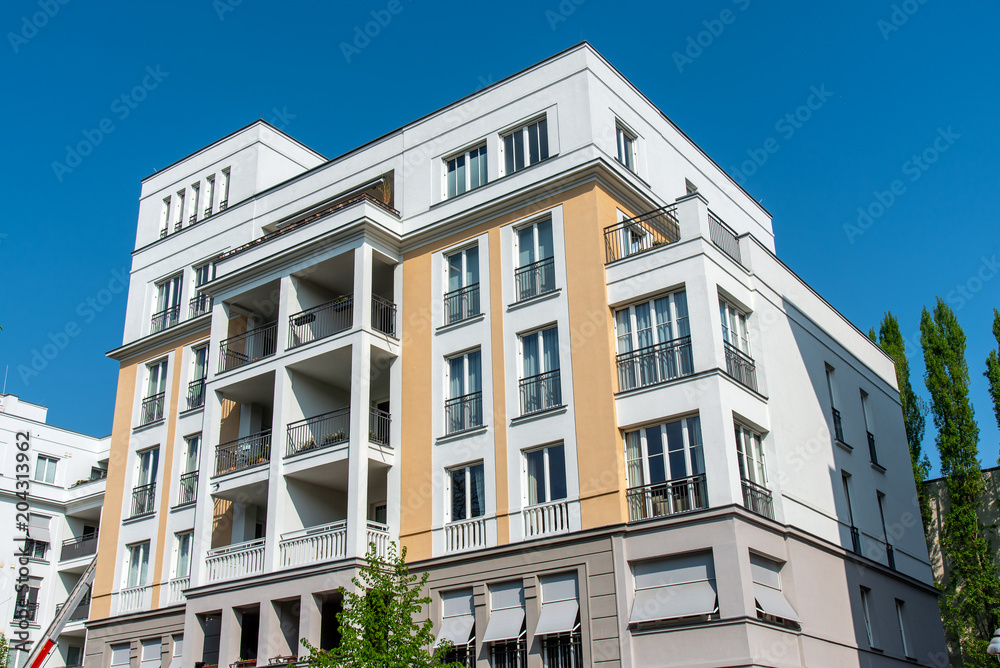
x: 540, y: 392
x: 132, y: 599
x: 188, y: 488
x: 461, y: 304
x: 378, y: 535
x: 384, y: 316
x: 463, y: 413
x: 164, y: 319
x: 82, y: 612
x: 667, y: 498
x: 175, y: 590
x: 243, y: 453
x: 378, y: 426
x: 199, y: 305
x: 465, y: 535
x: 235, y: 561
x: 250, y: 346
x: 642, y: 233
x: 321, y: 321
x: 758, y: 499
x: 196, y: 394
x: 152, y: 409
x: 535, y: 279
x: 724, y: 237
x: 322, y: 431
x: 313, y: 544
x: 546, y: 519
x: 740, y: 367
x: 838, y: 426
x: 143, y: 500
x: 872, y: 452
x: 75, y: 548
x: 655, y: 364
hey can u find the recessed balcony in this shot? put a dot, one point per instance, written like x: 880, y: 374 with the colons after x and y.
x: 326, y: 542
x: 82, y: 546
x: 667, y: 498
x: 243, y: 453
x: 235, y: 561
x: 384, y: 316
x: 250, y: 346
x: 322, y: 431
x: 319, y: 322
x: 642, y: 233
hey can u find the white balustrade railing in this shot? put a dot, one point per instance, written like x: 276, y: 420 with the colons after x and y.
x: 132, y: 599
x: 379, y: 535
x: 465, y: 535
x: 235, y: 561
x: 545, y: 519
x: 314, y: 544
x: 175, y: 590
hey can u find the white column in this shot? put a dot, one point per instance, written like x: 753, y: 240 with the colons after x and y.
x: 286, y: 289
x: 277, y: 495
x: 202, y: 537
x: 363, y: 287
x: 229, y: 637
x: 357, y: 477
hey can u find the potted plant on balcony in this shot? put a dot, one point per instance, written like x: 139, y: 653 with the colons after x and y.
x: 308, y: 445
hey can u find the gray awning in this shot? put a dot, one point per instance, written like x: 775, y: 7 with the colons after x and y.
x: 557, y: 617
x: 504, y: 624
x: 38, y: 528
x: 773, y: 602
x: 458, y: 630
x: 679, y: 600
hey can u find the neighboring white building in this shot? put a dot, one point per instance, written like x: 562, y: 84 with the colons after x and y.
x: 542, y: 340
x: 66, y: 474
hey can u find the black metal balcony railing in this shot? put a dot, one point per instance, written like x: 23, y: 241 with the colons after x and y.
x: 82, y: 546
x: 724, y: 237
x: 199, y: 305
x: 196, y: 394
x: 152, y: 409
x: 655, y: 364
x: 223, y: 205
x: 890, y: 556
x: 26, y: 612
x: 193, y: 218
x: 535, y: 279
x: 855, y: 540
x: 243, y: 453
x: 320, y: 431
x: 541, y: 392
x: 463, y: 413
x: 872, y: 452
x: 321, y: 321
x: 563, y: 650
x: 464, y: 655
x: 208, y: 212
x: 461, y: 304
x: 82, y: 610
x: 164, y: 319
x: 740, y: 366
x: 247, y: 347
x: 758, y: 499
x: 642, y: 233
x: 378, y: 426
x: 143, y: 499
x: 383, y: 315
x: 667, y: 498
x: 838, y: 426
x: 509, y: 654
x: 188, y: 488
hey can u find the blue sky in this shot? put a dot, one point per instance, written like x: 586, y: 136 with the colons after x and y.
x: 887, y: 81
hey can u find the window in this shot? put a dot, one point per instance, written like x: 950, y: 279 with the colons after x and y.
x: 734, y: 327
x: 674, y: 588
x: 39, y: 537
x: 151, y: 649
x: 26, y: 603
x: 525, y: 146
x: 902, y: 628
x: 559, y: 621
x: 179, y: 211
x: 540, y: 384
x: 191, y: 447
x: 468, y: 492
x: 165, y: 218
x: 224, y: 188
x: 866, y: 611
x: 536, y: 270
x: 872, y: 452
x: 156, y: 388
x: 74, y: 656
x: 138, y: 563
x: 195, y: 203
x: 209, y: 195
x: 845, y: 479
x: 35, y: 549
x: 182, y: 567
x: 771, y: 604
x: 545, y: 469
x: 199, y: 371
x: 751, y: 455
x: 458, y: 623
x: 838, y: 427
x: 201, y: 303
x: 144, y: 491
x: 505, y: 631
x: 626, y: 147
x: 653, y: 341
x: 665, y: 467
x: 120, y: 655
x: 465, y: 171
x: 167, y: 308
x: 464, y: 407
x: 45, y: 469
x: 461, y: 299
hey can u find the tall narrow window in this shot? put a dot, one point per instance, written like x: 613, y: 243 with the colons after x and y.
x: 138, y: 564
x: 525, y: 146
x: 838, y: 427
x: 626, y: 147
x: 536, y: 270
x: 464, y: 407
x: 505, y: 632
x: 753, y: 475
x: 167, y: 308
x: 458, y: 625
x: 156, y: 388
x: 224, y: 190
x: 665, y: 468
x: 654, y: 342
x: 202, y: 303
x: 195, y: 203
x: 45, y: 469
x: 199, y: 371
x: 546, y: 474
x: 468, y: 492
x: 559, y: 621
x: 890, y: 556
x: 736, y: 342
x: 866, y: 611
x: 189, y: 470
x: 845, y: 479
x: 465, y: 171
x: 179, y: 210
x: 182, y: 568
x: 151, y: 653
x: 165, y: 218
x: 540, y: 384
x: 461, y: 299
x: 144, y: 491
x: 209, y: 194
x: 902, y: 628
x: 865, y: 412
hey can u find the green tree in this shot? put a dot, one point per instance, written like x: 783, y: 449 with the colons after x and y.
x: 890, y: 339
x: 993, y: 368
x: 377, y: 629
x: 4, y: 650
x: 970, y: 602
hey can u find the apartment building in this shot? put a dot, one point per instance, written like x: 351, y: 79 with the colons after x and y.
x: 542, y: 340
x: 51, y: 489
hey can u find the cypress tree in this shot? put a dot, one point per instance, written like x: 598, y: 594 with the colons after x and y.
x: 993, y: 368
x: 970, y: 602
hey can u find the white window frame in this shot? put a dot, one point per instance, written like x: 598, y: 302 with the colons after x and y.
x: 191, y: 463
x: 142, y: 575
x: 627, y: 324
x: 750, y: 451
x: 179, y: 205
x: 224, y: 189
x: 51, y: 466
x: 147, y: 466
x: 831, y: 386
x: 626, y: 141
x: 546, y: 475
x: 156, y: 378
x: 481, y: 154
x: 902, y: 627
x: 535, y: 252
x: 734, y: 326
x: 209, y: 209
x: 195, y: 352
x: 466, y: 310
x: 165, y: 217
x: 466, y: 361
x: 542, y: 130
x: 866, y: 611
x: 179, y: 538
x: 466, y: 469
x: 168, y: 296
x: 195, y: 202
x: 693, y: 453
